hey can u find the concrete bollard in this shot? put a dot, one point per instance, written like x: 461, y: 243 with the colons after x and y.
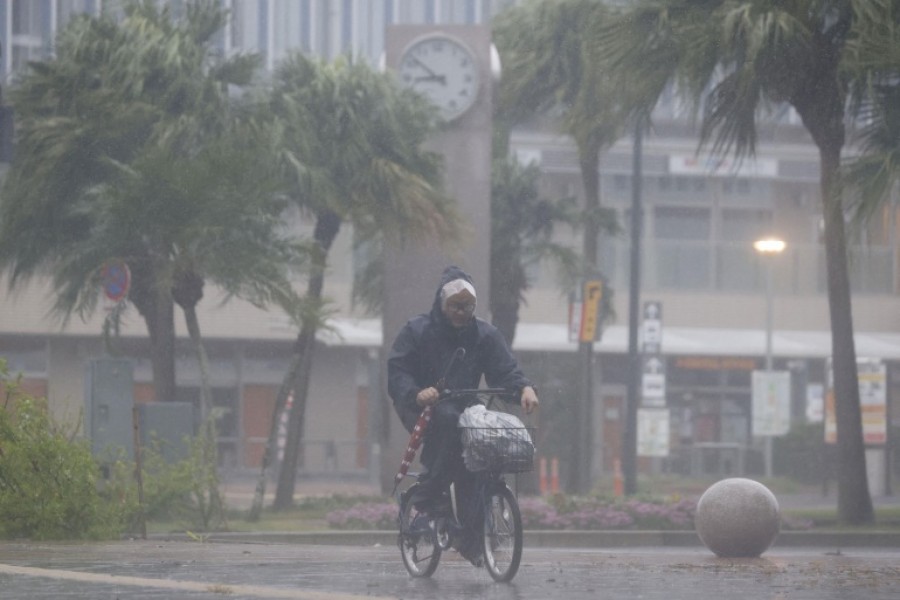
x: 737, y: 517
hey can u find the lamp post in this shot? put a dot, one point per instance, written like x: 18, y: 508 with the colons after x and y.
x: 769, y: 248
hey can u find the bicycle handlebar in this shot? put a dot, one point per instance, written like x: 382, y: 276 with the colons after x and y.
x: 477, y: 391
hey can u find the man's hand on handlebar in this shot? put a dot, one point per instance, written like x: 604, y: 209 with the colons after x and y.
x: 431, y: 395
x: 529, y: 399
x: 427, y: 396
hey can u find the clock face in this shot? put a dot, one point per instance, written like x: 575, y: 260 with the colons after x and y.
x: 444, y: 71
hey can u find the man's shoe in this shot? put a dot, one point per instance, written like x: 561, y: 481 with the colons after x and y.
x: 470, y: 549
x: 476, y: 557
x: 420, y: 524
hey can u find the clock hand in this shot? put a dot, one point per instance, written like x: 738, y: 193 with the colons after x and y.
x: 429, y: 70
x: 440, y: 78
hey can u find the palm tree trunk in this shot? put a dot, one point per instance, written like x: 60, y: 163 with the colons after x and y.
x: 287, y: 476
x: 158, y: 310
x: 280, y: 401
x: 822, y: 111
x: 854, y: 501
x: 210, y: 458
x: 328, y: 223
x: 161, y: 326
x: 187, y: 293
x: 505, y: 308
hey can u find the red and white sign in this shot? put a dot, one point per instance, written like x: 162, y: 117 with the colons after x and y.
x: 116, y: 280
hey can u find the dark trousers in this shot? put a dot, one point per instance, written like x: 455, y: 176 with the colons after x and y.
x: 442, y: 451
x: 442, y: 456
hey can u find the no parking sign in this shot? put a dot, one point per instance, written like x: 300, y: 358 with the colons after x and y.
x: 116, y: 280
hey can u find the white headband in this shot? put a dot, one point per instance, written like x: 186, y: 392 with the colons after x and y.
x: 454, y: 287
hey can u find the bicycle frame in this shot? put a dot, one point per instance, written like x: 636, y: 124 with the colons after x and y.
x: 494, y: 504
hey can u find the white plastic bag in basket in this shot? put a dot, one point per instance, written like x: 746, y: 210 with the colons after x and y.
x: 494, y: 440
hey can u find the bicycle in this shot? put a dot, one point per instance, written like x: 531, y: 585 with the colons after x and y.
x: 423, y: 536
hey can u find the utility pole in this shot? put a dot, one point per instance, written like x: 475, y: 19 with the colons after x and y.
x: 629, y: 439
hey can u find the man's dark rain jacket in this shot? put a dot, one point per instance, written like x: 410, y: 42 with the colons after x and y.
x: 425, y: 345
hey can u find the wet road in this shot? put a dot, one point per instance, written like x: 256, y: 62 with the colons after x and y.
x: 139, y: 570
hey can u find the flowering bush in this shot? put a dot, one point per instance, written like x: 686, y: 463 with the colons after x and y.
x: 594, y: 513
x: 560, y: 512
x: 538, y: 513
x: 381, y: 515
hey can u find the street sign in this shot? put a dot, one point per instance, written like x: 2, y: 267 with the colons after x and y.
x: 116, y: 280
x: 575, y: 313
x: 653, y: 381
x: 653, y: 432
x: 590, y: 320
x: 771, y: 403
x: 586, y: 306
x: 652, y: 328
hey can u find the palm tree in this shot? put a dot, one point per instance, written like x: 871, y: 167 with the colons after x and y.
x: 735, y: 59
x: 129, y: 150
x: 875, y: 172
x: 352, y: 153
x: 547, y: 70
x: 522, y: 225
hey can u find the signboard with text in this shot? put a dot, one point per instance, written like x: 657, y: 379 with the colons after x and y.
x: 653, y: 372
x: 651, y: 342
x: 872, y: 377
x: 653, y: 432
x: 771, y: 403
x: 653, y: 381
x: 586, y: 306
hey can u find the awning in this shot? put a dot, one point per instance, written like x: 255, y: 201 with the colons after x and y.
x: 691, y: 341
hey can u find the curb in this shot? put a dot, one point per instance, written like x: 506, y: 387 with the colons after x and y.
x: 559, y: 538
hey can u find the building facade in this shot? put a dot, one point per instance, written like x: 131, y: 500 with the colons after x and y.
x: 700, y: 216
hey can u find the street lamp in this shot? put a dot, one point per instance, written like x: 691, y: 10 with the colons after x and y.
x: 769, y: 247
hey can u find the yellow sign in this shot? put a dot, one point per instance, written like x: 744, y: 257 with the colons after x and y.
x: 590, y: 319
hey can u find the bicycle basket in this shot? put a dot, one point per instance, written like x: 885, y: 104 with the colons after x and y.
x: 498, y: 449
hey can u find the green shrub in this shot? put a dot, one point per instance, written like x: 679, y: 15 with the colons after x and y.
x: 184, y: 493
x: 48, y: 480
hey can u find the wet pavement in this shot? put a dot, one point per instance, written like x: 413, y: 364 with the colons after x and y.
x: 139, y: 570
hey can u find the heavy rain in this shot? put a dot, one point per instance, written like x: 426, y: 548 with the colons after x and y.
x: 229, y: 340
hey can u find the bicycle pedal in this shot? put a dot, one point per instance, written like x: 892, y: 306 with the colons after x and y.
x: 442, y: 533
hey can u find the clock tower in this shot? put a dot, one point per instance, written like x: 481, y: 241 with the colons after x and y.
x: 451, y: 66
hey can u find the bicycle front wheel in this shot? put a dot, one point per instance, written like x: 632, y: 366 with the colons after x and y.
x: 502, y: 534
x: 418, y: 541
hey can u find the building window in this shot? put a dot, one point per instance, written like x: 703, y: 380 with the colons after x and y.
x: 682, y: 247
x: 737, y: 266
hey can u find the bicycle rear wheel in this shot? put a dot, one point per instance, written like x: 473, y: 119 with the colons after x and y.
x: 502, y: 534
x: 418, y: 542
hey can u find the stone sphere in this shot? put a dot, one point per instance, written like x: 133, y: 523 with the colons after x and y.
x: 737, y: 518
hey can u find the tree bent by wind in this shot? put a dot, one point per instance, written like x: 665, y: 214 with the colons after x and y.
x: 735, y: 59
x: 352, y: 153
x: 130, y: 149
x: 548, y: 70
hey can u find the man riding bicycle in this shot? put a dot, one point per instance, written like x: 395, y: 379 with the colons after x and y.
x: 425, y: 355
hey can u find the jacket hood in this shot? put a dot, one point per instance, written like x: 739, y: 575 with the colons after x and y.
x: 450, y: 273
